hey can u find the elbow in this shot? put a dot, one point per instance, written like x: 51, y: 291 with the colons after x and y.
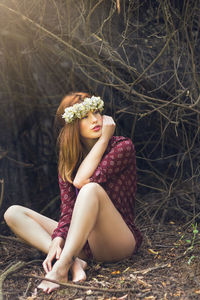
x: 79, y: 184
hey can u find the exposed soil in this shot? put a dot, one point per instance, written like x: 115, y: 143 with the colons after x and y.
x: 164, y: 268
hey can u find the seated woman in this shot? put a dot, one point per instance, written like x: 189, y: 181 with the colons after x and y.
x: 97, y: 178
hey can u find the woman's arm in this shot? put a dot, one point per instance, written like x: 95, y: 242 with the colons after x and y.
x: 121, y: 156
x: 59, y: 235
x: 91, y: 161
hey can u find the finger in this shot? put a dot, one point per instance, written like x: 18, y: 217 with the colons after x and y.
x: 49, y: 265
x: 58, y: 253
x: 45, y: 266
x: 108, y: 120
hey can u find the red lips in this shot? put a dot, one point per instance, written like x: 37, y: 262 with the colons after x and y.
x: 96, y: 128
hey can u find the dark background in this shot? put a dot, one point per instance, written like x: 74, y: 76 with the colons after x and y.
x: 141, y: 57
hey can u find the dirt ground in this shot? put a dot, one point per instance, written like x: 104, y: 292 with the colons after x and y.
x: 166, y: 267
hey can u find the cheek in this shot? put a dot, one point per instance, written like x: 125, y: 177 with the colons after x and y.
x: 82, y: 126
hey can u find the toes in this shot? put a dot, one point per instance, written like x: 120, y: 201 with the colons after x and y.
x: 47, y: 287
x: 43, y: 286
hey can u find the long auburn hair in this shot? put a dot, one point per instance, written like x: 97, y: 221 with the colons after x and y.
x: 69, y: 145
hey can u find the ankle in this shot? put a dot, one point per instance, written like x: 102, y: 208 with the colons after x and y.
x: 61, y: 268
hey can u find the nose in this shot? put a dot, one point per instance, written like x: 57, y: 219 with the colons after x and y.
x: 93, y: 117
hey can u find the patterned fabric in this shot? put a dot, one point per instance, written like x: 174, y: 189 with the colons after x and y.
x: 116, y: 173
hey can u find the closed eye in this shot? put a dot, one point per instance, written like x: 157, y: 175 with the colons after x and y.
x: 96, y: 111
x: 85, y: 117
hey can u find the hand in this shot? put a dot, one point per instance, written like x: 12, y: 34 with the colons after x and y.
x: 108, y: 127
x: 55, y: 251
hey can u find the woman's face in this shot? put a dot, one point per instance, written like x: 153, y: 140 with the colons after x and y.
x: 91, y: 125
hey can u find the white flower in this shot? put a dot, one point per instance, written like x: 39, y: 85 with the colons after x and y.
x: 80, y: 110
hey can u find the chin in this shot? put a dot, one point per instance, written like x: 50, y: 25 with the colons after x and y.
x: 99, y: 134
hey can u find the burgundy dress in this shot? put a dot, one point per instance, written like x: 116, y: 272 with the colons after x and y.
x: 116, y: 173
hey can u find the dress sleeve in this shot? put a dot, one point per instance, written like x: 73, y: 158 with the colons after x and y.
x: 119, y: 157
x: 68, y: 197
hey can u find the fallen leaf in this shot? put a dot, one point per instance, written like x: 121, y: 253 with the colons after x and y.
x: 89, y: 292
x: 169, y: 265
x: 177, y: 294
x: 97, y: 267
x: 115, y: 272
x: 133, y: 276
x: 142, y: 282
x: 123, y: 297
x: 126, y: 269
x: 153, y: 252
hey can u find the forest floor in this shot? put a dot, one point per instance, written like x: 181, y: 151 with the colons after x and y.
x: 167, y: 266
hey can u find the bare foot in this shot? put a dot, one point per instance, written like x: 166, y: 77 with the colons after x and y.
x: 58, y: 273
x: 78, y: 270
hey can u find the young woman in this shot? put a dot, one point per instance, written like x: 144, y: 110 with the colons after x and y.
x: 97, y: 178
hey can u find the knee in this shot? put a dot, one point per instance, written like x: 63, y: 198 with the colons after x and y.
x: 91, y: 192
x: 91, y: 187
x: 11, y: 214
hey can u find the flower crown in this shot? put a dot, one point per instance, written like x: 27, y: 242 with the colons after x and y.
x: 80, y: 110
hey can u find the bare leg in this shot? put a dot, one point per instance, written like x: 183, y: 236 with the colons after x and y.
x: 94, y: 218
x: 36, y: 230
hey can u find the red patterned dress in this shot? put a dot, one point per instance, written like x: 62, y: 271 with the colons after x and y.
x: 116, y: 173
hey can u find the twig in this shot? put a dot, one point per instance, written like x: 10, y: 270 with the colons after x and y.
x: 118, y: 6
x: 77, y: 286
x: 155, y: 59
x: 27, y: 289
x: 49, y: 204
x: 3, y: 276
x: 145, y: 271
x: 2, y: 191
x: 21, y: 163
